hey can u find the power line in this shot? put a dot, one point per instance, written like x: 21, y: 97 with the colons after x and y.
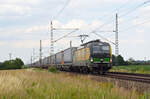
x: 140, y: 5
x: 147, y: 21
x: 124, y: 5
x: 103, y: 38
x: 65, y: 35
x: 63, y: 8
x: 108, y: 14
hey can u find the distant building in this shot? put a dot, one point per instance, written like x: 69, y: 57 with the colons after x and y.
x: 140, y: 61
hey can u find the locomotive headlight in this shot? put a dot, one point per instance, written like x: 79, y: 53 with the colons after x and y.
x: 111, y: 60
x: 102, y: 60
x: 92, y: 60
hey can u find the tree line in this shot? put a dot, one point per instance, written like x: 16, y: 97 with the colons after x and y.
x: 12, y: 64
x: 119, y: 60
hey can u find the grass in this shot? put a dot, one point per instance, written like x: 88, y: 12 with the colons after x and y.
x: 53, y: 69
x: 38, y: 84
x: 144, y: 69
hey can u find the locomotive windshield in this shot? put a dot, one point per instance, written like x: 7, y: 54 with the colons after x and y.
x: 101, y: 49
x: 105, y: 48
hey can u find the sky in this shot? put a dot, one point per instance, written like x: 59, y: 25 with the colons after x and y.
x: 23, y: 23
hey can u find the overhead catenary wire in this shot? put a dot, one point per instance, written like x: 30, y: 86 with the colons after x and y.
x: 127, y: 29
x: 61, y: 10
x: 114, y: 10
x: 138, y: 6
x: 134, y: 17
x: 65, y: 35
x: 103, y: 38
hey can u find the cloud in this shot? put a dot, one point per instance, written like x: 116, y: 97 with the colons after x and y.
x: 14, y: 10
x: 75, y: 24
x: 90, y: 3
x: 25, y: 44
x: 20, y: 2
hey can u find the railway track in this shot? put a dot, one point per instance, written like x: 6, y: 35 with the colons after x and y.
x: 144, y: 78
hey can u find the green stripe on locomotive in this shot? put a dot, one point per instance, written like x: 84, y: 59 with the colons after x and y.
x: 99, y: 59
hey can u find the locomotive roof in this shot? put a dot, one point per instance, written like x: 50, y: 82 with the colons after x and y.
x: 93, y: 42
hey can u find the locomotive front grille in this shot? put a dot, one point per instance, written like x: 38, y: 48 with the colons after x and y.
x: 101, y: 60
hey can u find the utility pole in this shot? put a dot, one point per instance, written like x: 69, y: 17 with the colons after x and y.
x: 52, y: 43
x: 10, y: 56
x: 70, y: 44
x: 116, y: 37
x: 116, y: 40
x: 40, y: 58
x: 31, y: 60
x: 33, y: 55
x: 145, y: 60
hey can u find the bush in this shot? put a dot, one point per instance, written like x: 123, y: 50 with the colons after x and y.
x: 24, y: 67
x: 52, y: 69
x: 12, y: 64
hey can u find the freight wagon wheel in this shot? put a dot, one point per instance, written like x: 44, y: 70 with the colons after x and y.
x: 61, y: 69
x: 101, y: 72
x: 81, y: 70
x: 86, y: 70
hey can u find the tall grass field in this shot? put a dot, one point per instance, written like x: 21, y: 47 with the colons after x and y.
x: 144, y: 69
x: 41, y: 84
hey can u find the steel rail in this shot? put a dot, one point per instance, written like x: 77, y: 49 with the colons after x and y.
x: 144, y: 78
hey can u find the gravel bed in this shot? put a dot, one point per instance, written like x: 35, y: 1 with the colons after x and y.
x: 129, y: 85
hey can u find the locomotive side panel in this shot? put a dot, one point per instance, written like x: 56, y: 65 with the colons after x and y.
x: 81, y: 57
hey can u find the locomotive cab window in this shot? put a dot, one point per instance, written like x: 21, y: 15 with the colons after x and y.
x: 101, y: 49
x: 106, y: 49
x: 97, y: 49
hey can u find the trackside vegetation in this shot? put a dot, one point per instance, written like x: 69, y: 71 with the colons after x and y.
x: 144, y: 69
x: 52, y: 69
x: 34, y: 84
x: 12, y: 64
x: 119, y: 61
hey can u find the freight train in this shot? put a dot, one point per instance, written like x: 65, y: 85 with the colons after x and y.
x: 93, y: 56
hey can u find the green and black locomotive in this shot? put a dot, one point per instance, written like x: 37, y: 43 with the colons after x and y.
x: 93, y: 56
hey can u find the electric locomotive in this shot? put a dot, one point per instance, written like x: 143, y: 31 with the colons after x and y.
x: 93, y: 56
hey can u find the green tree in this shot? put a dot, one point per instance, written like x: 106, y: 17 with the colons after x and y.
x: 19, y: 63
x: 120, y: 60
x: 131, y: 61
x: 113, y: 60
x: 12, y: 64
